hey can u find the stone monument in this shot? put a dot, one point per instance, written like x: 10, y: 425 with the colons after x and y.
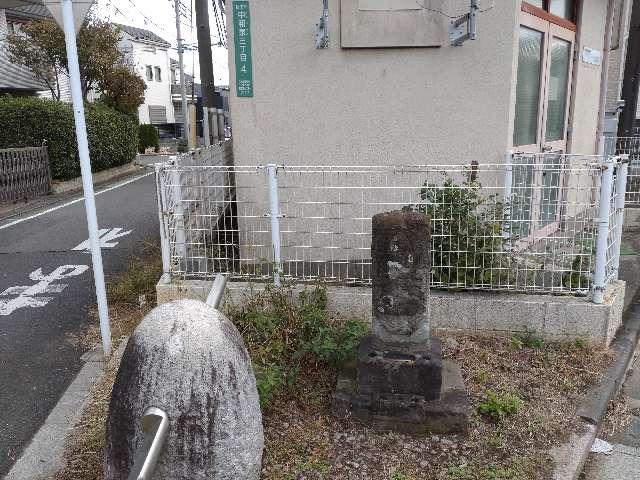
x: 188, y: 360
x: 400, y: 381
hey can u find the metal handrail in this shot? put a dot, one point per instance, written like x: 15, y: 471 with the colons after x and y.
x: 155, y: 426
x: 217, y: 291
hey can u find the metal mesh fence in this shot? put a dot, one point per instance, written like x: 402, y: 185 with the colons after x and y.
x: 628, y: 146
x: 529, y: 225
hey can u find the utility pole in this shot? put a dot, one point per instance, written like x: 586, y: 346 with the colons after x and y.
x: 206, y: 65
x: 631, y: 76
x: 183, y: 84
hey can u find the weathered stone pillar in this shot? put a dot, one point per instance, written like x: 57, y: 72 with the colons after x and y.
x: 401, y: 382
x: 401, y: 263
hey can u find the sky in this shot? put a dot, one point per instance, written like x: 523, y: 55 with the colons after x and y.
x: 159, y: 17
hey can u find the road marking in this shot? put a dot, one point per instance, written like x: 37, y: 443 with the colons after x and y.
x: 72, y: 202
x: 30, y: 295
x: 107, y: 237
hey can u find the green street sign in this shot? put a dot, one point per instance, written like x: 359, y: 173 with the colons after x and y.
x: 242, y: 42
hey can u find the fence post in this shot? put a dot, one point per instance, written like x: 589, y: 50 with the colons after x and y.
x: 165, y: 248
x: 621, y: 193
x: 178, y: 209
x: 606, y: 187
x: 508, y: 195
x: 274, y: 213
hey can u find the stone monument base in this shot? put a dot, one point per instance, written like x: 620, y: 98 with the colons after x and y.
x: 409, y: 414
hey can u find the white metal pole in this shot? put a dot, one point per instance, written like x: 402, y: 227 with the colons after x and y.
x: 217, y: 291
x: 206, y: 133
x: 606, y: 187
x: 621, y: 192
x: 178, y: 211
x: 508, y: 196
x: 272, y: 171
x: 85, y: 167
x: 220, y: 113
x: 161, y: 186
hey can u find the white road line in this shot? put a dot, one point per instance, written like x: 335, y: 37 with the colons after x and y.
x: 72, y: 202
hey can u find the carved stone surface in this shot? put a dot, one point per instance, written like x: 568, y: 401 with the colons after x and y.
x: 405, y: 373
x: 187, y: 359
x: 401, y: 262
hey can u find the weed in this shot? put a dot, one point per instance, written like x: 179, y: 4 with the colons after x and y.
x: 401, y: 475
x: 498, y: 406
x: 283, y: 336
x: 575, y: 278
x: 580, y: 344
x: 318, y: 467
x: 139, y: 279
x: 481, y: 376
x: 459, y: 472
x: 526, y: 340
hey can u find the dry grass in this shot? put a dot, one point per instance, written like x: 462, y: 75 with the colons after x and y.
x: 304, y: 441
x: 619, y: 416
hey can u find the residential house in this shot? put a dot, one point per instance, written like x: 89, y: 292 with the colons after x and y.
x: 149, y: 56
x: 17, y: 79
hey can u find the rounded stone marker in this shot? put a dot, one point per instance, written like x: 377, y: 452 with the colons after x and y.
x: 189, y: 360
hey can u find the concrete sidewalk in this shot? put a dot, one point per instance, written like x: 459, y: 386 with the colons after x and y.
x: 624, y: 461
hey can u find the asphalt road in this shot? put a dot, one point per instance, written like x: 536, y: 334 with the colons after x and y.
x: 46, y: 290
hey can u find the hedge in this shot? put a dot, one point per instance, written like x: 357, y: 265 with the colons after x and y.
x: 148, y: 138
x: 28, y: 121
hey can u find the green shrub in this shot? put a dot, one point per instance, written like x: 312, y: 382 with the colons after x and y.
x: 468, y: 245
x: 183, y: 146
x: 283, y: 336
x: 498, y: 406
x: 28, y: 121
x: 148, y: 138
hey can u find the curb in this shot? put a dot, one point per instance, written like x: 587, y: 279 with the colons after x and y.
x: 103, y: 176
x: 571, y: 456
x: 55, y: 199
x: 43, y: 456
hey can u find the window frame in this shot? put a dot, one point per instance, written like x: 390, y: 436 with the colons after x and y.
x: 157, y: 74
x: 149, y: 73
x: 544, y: 14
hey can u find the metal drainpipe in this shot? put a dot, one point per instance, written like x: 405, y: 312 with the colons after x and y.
x: 604, y: 78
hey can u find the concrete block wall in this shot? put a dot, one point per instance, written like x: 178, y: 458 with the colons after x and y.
x: 554, y: 318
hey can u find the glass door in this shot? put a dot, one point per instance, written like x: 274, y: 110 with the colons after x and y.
x: 540, y: 124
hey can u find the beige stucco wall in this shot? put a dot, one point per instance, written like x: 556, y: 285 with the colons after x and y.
x: 392, y: 106
x: 377, y: 106
x: 373, y: 106
x: 586, y: 96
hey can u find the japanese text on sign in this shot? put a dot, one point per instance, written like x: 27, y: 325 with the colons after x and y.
x: 242, y: 42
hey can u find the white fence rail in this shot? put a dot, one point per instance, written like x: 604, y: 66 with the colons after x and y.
x: 535, y: 224
x: 628, y: 146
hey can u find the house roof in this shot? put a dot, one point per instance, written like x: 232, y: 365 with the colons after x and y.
x: 28, y: 12
x: 142, y: 35
x: 17, y: 77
